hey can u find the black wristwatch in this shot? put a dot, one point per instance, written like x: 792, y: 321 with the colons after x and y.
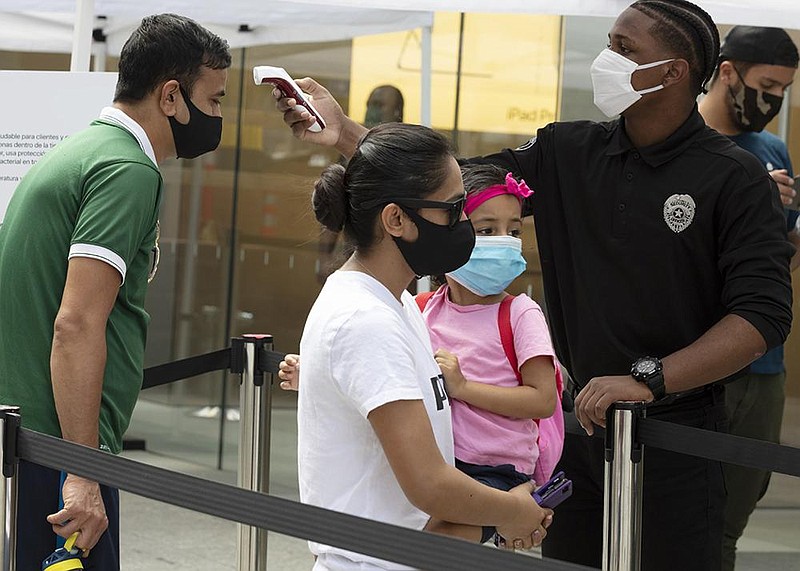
x: 648, y: 370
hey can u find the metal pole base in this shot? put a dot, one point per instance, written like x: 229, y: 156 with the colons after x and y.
x: 255, y: 399
x: 9, y: 424
x: 622, y: 525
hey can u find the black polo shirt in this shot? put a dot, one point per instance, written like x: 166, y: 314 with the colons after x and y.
x: 643, y: 250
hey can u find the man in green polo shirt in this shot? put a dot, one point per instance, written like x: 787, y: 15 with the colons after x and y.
x: 76, y: 250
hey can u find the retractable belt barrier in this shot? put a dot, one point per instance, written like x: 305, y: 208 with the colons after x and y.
x: 185, y: 368
x: 251, y: 356
x: 389, y: 542
x: 227, y: 358
x: 718, y: 446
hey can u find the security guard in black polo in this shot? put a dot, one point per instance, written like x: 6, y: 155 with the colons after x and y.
x: 665, y: 261
x: 665, y: 266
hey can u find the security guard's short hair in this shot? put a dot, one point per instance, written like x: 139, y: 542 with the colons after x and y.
x: 688, y: 31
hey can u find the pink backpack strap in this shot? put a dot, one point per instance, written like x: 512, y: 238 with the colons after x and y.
x: 551, y: 430
x: 507, y: 335
x: 423, y: 298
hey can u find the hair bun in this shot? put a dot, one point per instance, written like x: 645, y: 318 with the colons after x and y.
x: 329, y: 200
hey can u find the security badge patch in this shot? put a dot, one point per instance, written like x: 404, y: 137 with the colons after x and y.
x: 679, y: 212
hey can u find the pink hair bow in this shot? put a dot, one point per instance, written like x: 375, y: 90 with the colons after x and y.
x: 511, y: 186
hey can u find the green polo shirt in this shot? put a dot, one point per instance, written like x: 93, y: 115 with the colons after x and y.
x: 94, y: 195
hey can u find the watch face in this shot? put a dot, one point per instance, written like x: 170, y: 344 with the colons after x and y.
x: 645, y: 367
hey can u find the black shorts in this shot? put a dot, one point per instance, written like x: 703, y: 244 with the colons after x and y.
x: 502, y: 477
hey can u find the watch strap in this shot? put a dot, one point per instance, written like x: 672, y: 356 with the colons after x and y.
x: 653, y: 379
x: 656, y: 385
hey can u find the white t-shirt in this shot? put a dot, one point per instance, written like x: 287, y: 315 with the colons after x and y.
x: 362, y: 349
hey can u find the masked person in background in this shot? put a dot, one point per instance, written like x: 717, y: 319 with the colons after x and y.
x: 755, y: 68
x: 653, y: 292
x: 384, y: 105
x: 72, y: 291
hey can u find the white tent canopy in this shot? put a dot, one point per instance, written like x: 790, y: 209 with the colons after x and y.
x: 778, y: 13
x: 47, y: 25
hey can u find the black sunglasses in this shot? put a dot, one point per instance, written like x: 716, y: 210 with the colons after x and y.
x: 454, y: 209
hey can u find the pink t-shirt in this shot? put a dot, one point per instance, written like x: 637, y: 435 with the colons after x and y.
x: 471, y: 333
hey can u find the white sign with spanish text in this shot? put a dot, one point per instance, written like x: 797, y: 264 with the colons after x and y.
x: 37, y: 110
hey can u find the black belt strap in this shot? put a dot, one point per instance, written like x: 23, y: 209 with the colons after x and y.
x: 703, y: 443
x: 185, y: 368
x: 268, y: 361
x: 719, y: 446
x: 384, y: 541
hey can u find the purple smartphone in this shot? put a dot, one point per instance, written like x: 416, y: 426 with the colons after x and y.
x: 555, y: 491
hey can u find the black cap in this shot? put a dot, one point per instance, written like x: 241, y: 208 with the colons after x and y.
x: 771, y: 46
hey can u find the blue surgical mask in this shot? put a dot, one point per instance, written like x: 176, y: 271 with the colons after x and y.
x: 495, y: 262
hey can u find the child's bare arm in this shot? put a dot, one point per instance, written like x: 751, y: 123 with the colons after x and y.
x: 535, y: 398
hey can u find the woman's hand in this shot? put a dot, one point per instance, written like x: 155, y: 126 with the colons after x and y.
x: 529, y: 528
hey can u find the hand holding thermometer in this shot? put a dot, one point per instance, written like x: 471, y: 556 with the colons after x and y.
x: 277, y: 77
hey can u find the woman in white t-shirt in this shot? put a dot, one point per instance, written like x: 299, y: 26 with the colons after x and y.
x: 374, y: 428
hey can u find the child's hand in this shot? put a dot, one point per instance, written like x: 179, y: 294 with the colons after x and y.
x: 289, y: 372
x: 453, y: 378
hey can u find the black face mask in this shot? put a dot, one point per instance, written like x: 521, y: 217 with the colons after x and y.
x: 753, y: 109
x: 438, y: 249
x: 200, y: 135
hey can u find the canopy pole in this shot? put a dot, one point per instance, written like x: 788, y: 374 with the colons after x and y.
x: 82, y: 36
x: 426, y: 71
x: 425, y: 77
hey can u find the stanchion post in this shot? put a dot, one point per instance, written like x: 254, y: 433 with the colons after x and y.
x: 255, y: 401
x: 622, y: 524
x: 9, y: 425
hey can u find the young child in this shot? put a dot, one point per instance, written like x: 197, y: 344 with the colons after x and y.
x: 493, y: 406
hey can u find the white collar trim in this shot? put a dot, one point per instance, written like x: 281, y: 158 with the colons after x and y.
x: 120, y: 118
